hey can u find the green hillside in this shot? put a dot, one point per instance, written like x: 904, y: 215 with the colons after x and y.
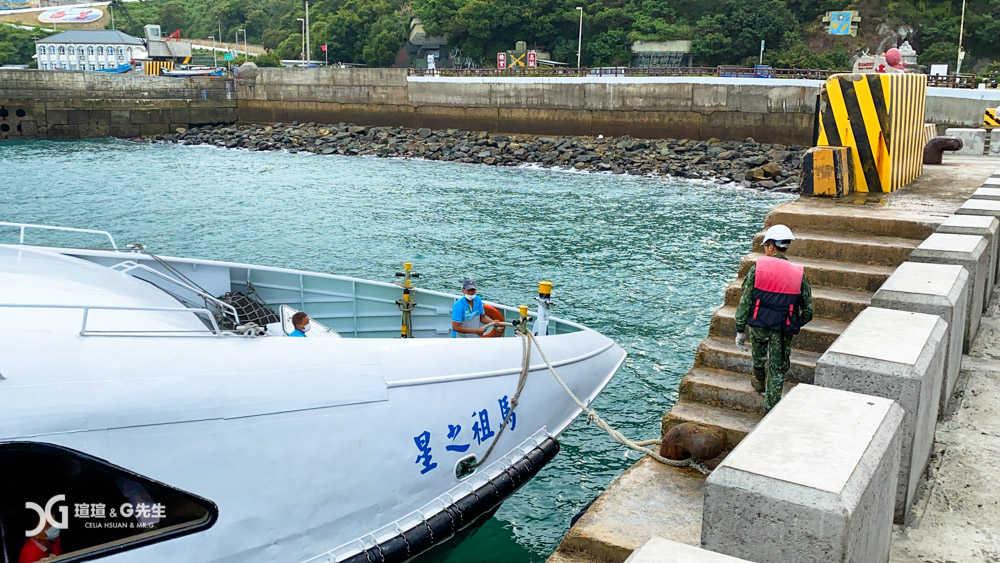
x: 725, y: 32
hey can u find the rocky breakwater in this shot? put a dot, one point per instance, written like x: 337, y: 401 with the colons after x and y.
x: 749, y: 163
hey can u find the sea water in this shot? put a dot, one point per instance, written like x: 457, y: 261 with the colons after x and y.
x: 644, y: 261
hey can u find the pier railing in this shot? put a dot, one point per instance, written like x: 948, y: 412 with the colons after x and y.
x: 951, y: 81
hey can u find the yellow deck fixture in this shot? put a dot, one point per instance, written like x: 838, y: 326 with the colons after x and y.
x: 545, y: 288
x: 990, y: 118
x: 881, y: 118
x: 827, y: 172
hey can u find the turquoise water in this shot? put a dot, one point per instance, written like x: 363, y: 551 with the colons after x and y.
x: 644, y: 261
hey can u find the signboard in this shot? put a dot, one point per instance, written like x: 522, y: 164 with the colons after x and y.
x: 532, y: 59
x: 867, y: 64
x: 501, y: 61
x: 842, y: 23
x: 939, y: 70
x: 70, y: 15
x: 227, y: 57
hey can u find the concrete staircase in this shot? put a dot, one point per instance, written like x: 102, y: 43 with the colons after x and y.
x: 848, y: 252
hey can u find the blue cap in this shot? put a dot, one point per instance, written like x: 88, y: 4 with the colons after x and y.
x: 468, y: 284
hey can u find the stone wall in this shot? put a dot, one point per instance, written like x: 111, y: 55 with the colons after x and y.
x: 76, y: 105
x: 692, y: 108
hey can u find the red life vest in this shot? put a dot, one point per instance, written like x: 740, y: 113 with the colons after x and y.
x: 776, y: 288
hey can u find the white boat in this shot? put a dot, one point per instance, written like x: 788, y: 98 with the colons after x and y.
x: 122, y: 391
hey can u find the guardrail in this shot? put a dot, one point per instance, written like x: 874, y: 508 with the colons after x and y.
x: 951, y: 81
x: 213, y: 328
x: 24, y: 226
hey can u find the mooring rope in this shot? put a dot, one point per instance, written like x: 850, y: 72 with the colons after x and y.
x: 527, y: 339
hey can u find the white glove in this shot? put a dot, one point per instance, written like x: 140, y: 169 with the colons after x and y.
x: 741, y: 341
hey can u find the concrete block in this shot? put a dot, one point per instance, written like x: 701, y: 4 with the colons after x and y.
x: 814, y: 481
x: 731, y: 125
x: 659, y: 550
x: 709, y: 97
x: 933, y: 289
x: 971, y: 252
x: 973, y: 140
x: 986, y: 192
x: 898, y: 355
x: 995, y: 141
x: 984, y: 226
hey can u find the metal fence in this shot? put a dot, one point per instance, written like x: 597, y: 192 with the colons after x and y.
x: 952, y: 81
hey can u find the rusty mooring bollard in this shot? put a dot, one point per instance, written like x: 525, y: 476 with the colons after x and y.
x: 700, y: 442
x: 936, y: 147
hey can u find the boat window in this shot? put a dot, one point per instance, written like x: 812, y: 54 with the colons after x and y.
x: 98, y: 508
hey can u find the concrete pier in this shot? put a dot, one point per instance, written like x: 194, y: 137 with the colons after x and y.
x: 659, y: 550
x: 984, y: 226
x: 815, y: 481
x: 970, y: 252
x: 900, y: 356
x: 933, y: 289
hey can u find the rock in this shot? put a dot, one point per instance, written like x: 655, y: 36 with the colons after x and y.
x: 424, y: 132
x: 767, y: 184
x: 726, y: 155
x: 772, y: 169
x: 756, y: 174
x: 180, y: 130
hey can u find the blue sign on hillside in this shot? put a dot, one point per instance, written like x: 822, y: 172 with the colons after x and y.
x: 840, y: 23
x: 228, y: 56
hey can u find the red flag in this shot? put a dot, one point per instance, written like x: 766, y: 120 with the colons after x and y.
x: 324, y: 47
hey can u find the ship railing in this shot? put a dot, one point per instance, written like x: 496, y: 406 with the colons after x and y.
x: 128, y: 266
x: 213, y: 327
x: 25, y: 226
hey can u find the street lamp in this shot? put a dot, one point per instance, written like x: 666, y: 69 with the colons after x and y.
x: 215, y: 54
x: 302, y: 53
x: 961, y: 29
x: 246, y: 57
x: 579, y: 39
x: 308, y: 45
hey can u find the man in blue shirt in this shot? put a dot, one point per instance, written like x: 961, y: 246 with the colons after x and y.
x: 468, y: 318
x: 300, y: 321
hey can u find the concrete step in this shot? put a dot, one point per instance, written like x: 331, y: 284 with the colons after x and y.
x: 720, y: 388
x: 816, y: 336
x: 828, y: 302
x: 737, y: 424
x: 857, y: 249
x: 721, y: 353
x: 858, y: 220
x: 826, y: 273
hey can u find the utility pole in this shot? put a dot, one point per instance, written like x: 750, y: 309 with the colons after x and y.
x: 111, y: 8
x: 961, y: 29
x: 579, y: 39
x: 215, y: 54
x: 308, y: 45
x: 245, y: 56
x: 302, y: 53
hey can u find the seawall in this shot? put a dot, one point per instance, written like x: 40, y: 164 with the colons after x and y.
x: 78, y: 105
x: 691, y: 108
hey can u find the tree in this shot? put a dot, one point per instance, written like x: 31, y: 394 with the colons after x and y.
x: 939, y: 53
x: 735, y: 33
x: 18, y: 45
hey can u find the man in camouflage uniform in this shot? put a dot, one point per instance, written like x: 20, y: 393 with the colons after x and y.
x: 775, y: 304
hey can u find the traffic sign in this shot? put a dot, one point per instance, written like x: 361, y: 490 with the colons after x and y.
x: 501, y: 61
x: 532, y: 59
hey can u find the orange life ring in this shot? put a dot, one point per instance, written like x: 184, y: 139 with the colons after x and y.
x: 493, y: 313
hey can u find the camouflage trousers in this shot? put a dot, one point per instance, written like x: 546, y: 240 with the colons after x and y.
x: 771, y: 353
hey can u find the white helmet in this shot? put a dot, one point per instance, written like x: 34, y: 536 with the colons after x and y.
x: 780, y: 235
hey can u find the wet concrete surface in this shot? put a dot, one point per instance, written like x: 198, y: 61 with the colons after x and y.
x: 955, y: 516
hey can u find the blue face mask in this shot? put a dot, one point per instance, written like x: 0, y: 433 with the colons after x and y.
x: 52, y: 533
